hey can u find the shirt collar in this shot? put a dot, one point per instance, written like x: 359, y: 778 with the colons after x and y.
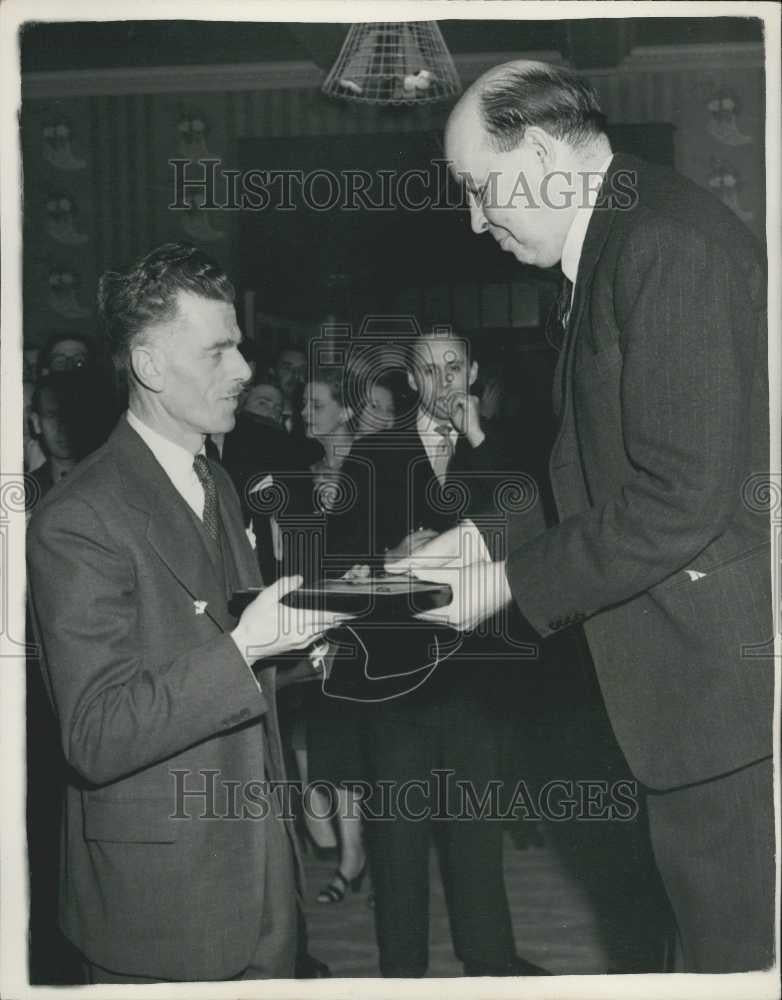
x: 574, y: 240
x: 177, y: 461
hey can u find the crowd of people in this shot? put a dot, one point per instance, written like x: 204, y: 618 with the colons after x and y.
x: 198, y: 473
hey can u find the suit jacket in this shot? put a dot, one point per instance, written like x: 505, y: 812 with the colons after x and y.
x: 152, y: 697
x: 662, y: 547
x: 393, y: 491
x: 37, y: 484
x: 255, y: 448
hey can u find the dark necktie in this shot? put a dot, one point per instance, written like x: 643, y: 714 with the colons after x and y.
x: 556, y: 327
x: 205, y: 477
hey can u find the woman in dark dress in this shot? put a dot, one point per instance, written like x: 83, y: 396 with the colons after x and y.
x: 334, y: 725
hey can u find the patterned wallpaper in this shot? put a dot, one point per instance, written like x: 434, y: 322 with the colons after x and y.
x: 98, y: 183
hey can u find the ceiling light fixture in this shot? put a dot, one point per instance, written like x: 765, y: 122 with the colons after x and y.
x: 393, y: 63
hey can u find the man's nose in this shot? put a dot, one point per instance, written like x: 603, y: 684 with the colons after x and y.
x: 477, y: 218
x: 244, y: 371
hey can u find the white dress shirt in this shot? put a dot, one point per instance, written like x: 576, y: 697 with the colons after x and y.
x: 176, y: 461
x: 576, y: 234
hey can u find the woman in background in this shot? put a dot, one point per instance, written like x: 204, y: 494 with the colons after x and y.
x: 334, y: 740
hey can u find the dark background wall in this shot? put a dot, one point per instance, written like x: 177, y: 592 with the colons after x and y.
x: 103, y: 115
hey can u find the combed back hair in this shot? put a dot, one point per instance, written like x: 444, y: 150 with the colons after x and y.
x: 143, y: 294
x: 551, y: 98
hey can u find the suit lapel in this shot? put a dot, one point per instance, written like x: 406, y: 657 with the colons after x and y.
x: 171, y: 529
x: 597, y: 233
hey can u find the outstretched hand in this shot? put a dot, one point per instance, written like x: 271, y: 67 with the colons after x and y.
x: 479, y: 589
x: 268, y: 628
x: 457, y: 547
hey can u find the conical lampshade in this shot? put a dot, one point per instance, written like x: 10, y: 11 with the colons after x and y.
x: 393, y: 62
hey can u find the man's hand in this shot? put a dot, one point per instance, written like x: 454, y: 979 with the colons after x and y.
x: 479, y: 590
x: 269, y: 628
x: 410, y: 543
x: 457, y: 547
x: 466, y: 418
x: 358, y: 571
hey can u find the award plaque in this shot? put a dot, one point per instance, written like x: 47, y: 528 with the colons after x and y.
x: 389, y: 598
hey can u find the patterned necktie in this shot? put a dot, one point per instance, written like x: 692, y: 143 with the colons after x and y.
x: 556, y: 328
x: 205, y: 477
x: 443, y: 452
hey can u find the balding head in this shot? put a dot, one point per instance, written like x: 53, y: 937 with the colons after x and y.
x: 510, y: 98
x: 523, y: 138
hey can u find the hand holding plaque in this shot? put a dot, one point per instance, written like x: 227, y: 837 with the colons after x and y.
x: 459, y: 546
x: 270, y: 624
x: 478, y: 591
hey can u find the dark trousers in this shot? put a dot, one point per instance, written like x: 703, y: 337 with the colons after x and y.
x: 714, y: 847
x: 453, y: 738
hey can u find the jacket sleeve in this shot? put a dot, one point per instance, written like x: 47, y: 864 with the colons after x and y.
x: 688, y: 334
x: 120, y: 708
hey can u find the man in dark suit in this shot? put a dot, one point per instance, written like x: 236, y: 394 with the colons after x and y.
x: 177, y: 864
x: 259, y: 447
x: 410, y: 485
x: 662, y: 547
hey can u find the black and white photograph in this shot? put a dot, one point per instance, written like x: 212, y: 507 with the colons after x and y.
x: 390, y: 500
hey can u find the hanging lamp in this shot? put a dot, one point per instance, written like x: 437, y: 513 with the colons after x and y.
x: 393, y: 63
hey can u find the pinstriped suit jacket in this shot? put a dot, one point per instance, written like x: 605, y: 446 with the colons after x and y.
x: 662, y: 546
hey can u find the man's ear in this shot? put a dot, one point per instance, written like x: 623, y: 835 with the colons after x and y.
x: 473, y: 373
x: 35, y: 423
x: 349, y: 413
x: 145, y: 364
x: 542, y: 146
x: 411, y: 382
